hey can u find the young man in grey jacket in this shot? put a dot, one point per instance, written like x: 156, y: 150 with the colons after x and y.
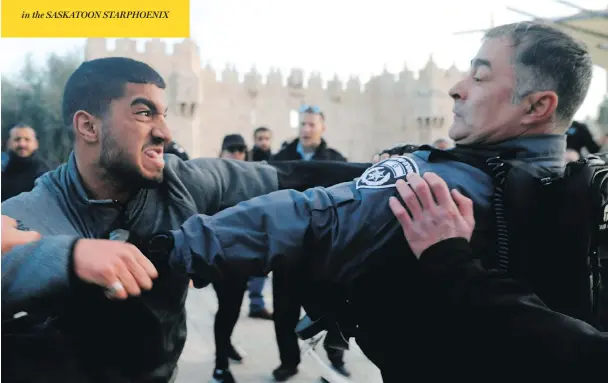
x: 118, y: 178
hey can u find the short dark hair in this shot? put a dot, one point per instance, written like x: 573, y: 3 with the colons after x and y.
x: 548, y: 59
x: 21, y: 125
x: 261, y: 129
x: 97, y: 82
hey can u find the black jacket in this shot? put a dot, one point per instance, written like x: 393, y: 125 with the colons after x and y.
x: 579, y: 137
x: 20, y: 174
x: 257, y: 154
x: 323, y: 153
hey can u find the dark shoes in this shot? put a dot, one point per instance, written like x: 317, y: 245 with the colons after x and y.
x: 234, y: 355
x: 283, y: 373
x: 222, y: 376
x: 261, y: 314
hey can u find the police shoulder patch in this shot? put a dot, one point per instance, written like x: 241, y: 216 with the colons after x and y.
x: 385, y: 173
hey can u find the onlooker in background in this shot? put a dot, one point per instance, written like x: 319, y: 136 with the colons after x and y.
x: 262, y: 143
x: 578, y: 136
x: 24, y: 165
x: 234, y: 147
x: 175, y: 148
x: 442, y: 144
x: 285, y: 284
x: 310, y: 144
x: 229, y: 291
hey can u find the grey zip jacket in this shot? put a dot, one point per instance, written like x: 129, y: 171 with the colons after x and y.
x: 139, y: 339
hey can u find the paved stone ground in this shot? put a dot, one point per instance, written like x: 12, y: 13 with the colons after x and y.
x: 256, y: 338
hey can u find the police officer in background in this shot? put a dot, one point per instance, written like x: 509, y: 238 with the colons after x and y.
x: 524, y: 87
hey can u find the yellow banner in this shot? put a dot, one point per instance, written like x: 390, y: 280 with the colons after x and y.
x: 96, y: 18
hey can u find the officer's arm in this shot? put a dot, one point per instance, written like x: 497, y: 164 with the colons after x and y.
x: 278, y: 229
x: 221, y: 183
x: 503, y: 306
x: 35, y: 272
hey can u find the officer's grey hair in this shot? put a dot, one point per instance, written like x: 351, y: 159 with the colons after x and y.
x: 547, y: 59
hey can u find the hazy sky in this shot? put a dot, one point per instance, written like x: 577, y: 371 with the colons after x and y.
x: 337, y: 36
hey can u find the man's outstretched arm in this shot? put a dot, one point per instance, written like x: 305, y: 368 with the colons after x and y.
x: 216, y: 184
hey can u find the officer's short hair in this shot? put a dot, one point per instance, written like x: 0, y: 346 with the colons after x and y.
x: 548, y: 59
x: 97, y: 82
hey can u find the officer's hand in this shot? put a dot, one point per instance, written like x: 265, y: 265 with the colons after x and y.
x: 11, y: 236
x: 447, y: 215
x: 119, y: 267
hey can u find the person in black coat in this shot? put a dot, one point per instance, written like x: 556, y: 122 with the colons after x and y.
x: 287, y: 297
x: 24, y: 164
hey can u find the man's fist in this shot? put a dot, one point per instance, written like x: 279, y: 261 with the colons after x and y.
x: 11, y: 236
x: 119, y: 267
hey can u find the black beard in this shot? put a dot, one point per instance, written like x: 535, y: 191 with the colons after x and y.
x: 119, y: 172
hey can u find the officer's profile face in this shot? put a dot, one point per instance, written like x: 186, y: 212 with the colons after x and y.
x: 484, y: 111
x: 133, y: 135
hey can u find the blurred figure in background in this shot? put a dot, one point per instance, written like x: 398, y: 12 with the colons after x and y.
x: 286, y: 289
x: 24, y: 165
x: 262, y: 144
x: 234, y: 147
x: 578, y: 136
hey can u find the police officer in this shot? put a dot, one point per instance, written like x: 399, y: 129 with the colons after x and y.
x: 346, y: 242
x: 439, y: 230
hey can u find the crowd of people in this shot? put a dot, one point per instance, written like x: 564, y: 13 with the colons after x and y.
x: 344, y: 241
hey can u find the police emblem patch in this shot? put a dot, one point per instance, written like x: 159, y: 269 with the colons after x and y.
x: 385, y: 174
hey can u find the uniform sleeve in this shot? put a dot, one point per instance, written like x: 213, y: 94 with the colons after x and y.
x: 279, y: 229
x: 34, y: 273
x: 222, y: 183
x: 505, y: 307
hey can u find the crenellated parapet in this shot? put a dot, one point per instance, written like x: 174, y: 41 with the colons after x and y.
x: 213, y: 101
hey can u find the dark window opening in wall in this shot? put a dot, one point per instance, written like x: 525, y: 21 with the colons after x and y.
x: 192, y: 109
x: 182, y: 108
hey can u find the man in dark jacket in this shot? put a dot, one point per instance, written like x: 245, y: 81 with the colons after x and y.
x: 579, y: 136
x: 310, y: 144
x: 24, y: 163
x: 262, y: 142
x: 286, y: 289
x: 118, y: 178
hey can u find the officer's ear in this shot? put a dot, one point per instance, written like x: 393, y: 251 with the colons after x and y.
x: 540, y: 107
